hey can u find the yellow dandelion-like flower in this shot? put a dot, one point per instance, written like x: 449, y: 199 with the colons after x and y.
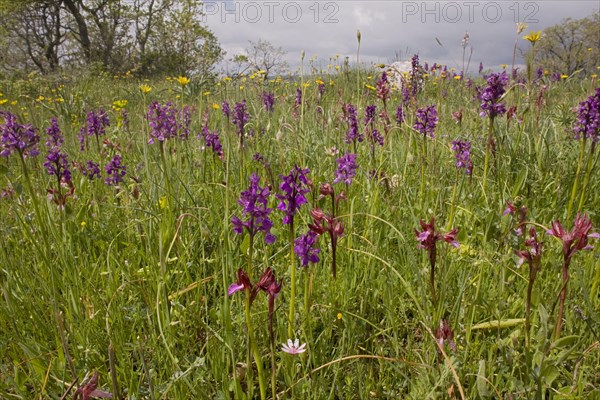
x: 83, y: 224
x: 178, y: 97
x: 241, y: 87
x: 457, y: 77
x: 227, y: 79
x: 145, y: 88
x: 319, y: 82
x: 2, y: 101
x: 563, y: 76
x: 425, y: 75
x: 183, y: 80
x: 337, y: 67
x: 40, y: 98
x: 331, y: 83
x: 215, y: 106
x: 339, y: 316
x: 14, y: 103
x: 504, y: 66
x: 369, y: 77
x: 60, y: 100
x: 119, y: 104
x: 546, y: 72
x: 370, y: 87
x: 306, y: 84
x: 207, y: 93
x: 533, y: 37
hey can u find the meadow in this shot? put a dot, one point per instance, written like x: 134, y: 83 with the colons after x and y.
x: 164, y: 239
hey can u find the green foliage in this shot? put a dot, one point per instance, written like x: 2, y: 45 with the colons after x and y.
x: 144, y: 268
x: 570, y: 46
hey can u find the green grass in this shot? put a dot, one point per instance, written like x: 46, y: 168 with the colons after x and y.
x: 142, y: 271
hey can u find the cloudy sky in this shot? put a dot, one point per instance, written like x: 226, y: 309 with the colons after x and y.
x: 388, y: 28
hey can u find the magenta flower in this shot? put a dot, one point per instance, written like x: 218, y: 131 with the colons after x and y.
x: 490, y: 95
x: 211, y: 140
x: 427, y: 120
x: 57, y: 165
x: 96, y: 124
x: 462, y: 152
x: 243, y: 282
x: 305, y: 248
x: 168, y: 122
x: 88, y: 389
x: 55, y: 137
x: 268, y: 101
x: 588, y: 118
x: 294, y: 187
x: 445, y: 334
x: 254, y: 201
x: 577, y: 238
x: 533, y: 255
x: 346, y: 170
x: 115, y: 171
x: 573, y: 241
x: 17, y: 137
x: 293, y: 347
x: 353, y: 134
x: 226, y: 110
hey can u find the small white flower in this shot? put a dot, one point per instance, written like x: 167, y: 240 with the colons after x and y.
x: 293, y: 347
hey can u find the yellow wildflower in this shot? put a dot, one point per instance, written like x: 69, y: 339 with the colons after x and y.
x: 183, y: 80
x: 215, y: 106
x: 2, y: 101
x: 145, y: 88
x: 563, y: 76
x: 533, y: 37
x: 206, y: 93
x: 457, y: 77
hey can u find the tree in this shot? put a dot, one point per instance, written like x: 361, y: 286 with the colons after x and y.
x: 570, y: 46
x: 147, y: 36
x: 262, y: 55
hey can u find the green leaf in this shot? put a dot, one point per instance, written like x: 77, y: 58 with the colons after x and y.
x: 482, y: 387
x: 499, y: 324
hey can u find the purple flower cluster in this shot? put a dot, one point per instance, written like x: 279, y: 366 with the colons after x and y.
x: 462, y: 152
x: 57, y: 165
x: 370, y: 115
x: 254, y: 201
x: 168, y: 122
x: 346, y: 170
x: 225, y: 108
x: 17, y: 137
x: 268, y: 101
x: 55, y: 137
x: 353, y: 134
x: 211, y: 139
x: 115, y: 171
x: 399, y: 115
x: 321, y: 89
x: 383, y: 87
x: 90, y: 170
x: 240, y: 117
x: 588, y: 118
x: 305, y: 248
x: 96, y: 124
x: 491, y: 94
x: 294, y: 186
x: 426, y: 120
x: 298, y: 100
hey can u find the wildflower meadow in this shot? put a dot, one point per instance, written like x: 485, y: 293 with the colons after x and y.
x: 334, y: 234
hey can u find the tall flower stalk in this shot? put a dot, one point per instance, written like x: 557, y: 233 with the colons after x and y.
x: 425, y: 123
x: 533, y: 256
x: 256, y: 212
x: 572, y: 241
x: 491, y: 106
x: 462, y: 152
x: 294, y: 187
x: 427, y: 238
x: 587, y: 126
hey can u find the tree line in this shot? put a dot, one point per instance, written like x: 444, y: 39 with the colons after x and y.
x: 147, y: 37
